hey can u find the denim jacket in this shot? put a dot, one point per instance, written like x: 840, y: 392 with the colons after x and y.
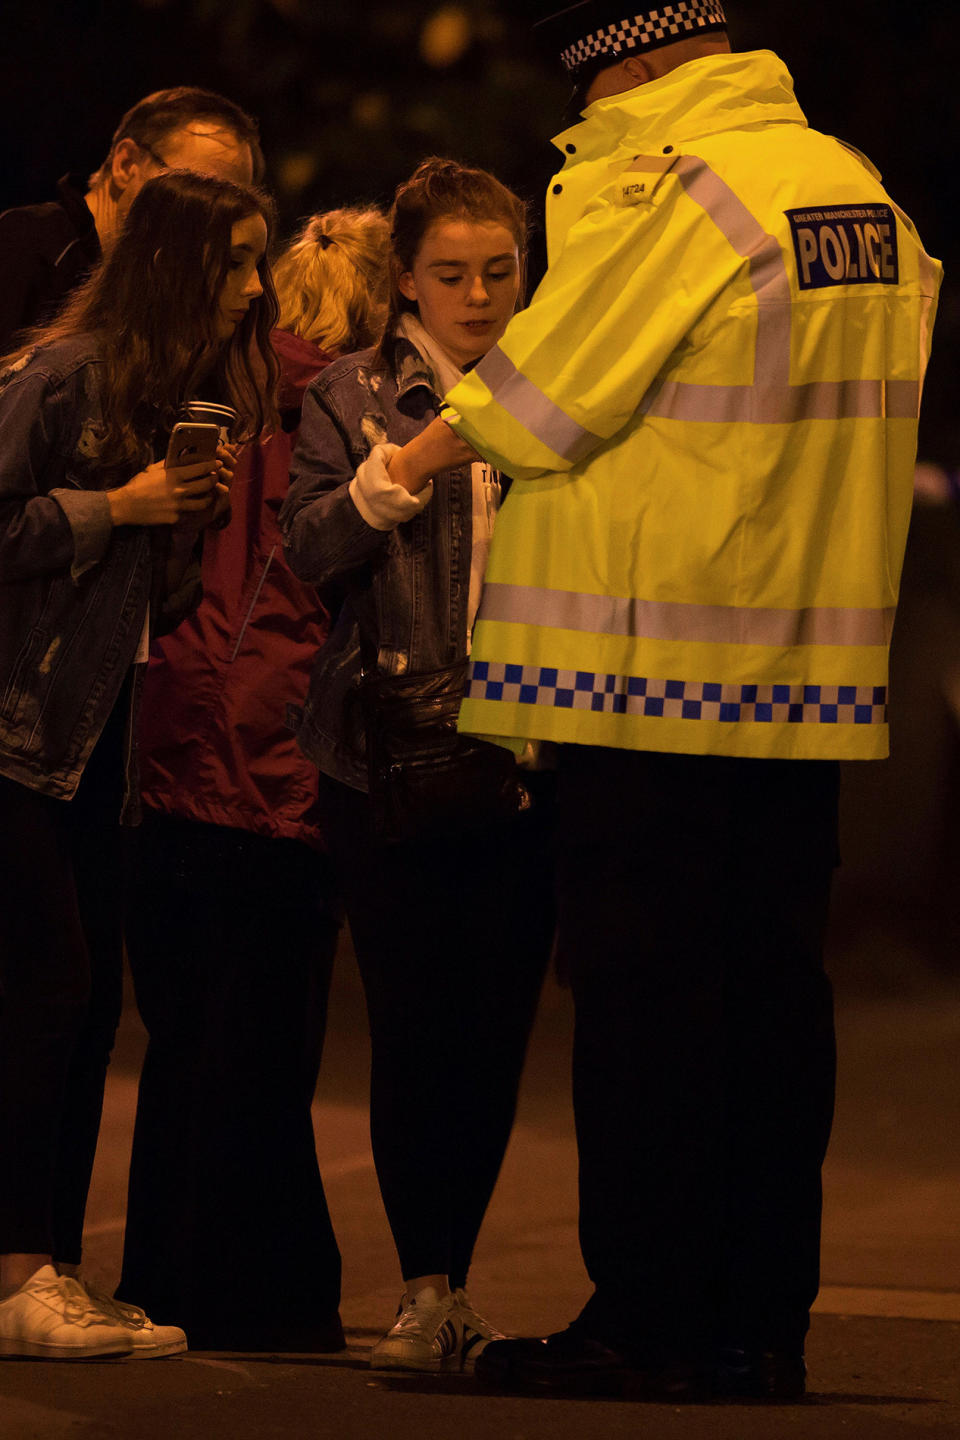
x: 408, y: 587
x: 74, y: 590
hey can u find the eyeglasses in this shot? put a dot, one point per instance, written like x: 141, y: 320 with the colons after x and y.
x: 158, y: 159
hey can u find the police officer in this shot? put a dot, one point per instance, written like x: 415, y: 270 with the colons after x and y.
x: 711, y: 409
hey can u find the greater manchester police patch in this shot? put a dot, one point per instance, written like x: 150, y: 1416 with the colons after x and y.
x: 845, y: 245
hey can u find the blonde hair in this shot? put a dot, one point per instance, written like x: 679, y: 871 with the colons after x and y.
x: 332, y: 279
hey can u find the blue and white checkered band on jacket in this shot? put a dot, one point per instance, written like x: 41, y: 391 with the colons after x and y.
x: 653, y: 28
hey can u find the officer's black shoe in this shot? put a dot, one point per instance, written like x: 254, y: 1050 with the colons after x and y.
x: 572, y: 1363
x: 760, y: 1374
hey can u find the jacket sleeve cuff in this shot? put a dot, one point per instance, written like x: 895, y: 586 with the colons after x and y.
x: 88, y: 515
x: 381, y: 503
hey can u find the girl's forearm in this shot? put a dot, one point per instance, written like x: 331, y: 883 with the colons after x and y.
x: 434, y: 449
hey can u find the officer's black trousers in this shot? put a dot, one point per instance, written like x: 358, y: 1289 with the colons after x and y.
x: 693, y: 896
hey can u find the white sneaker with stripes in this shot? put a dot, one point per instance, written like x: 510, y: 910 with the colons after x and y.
x: 51, y: 1317
x: 149, y: 1341
x: 427, y: 1334
x: 477, y: 1332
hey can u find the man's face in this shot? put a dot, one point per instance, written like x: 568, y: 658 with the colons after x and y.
x: 204, y: 146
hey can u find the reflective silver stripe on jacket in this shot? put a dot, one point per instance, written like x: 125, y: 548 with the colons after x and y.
x: 783, y: 404
x: 670, y: 620
x: 535, y: 411
x: 770, y: 400
x: 768, y: 274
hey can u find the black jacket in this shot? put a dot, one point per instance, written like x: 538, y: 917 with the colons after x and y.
x: 45, y: 251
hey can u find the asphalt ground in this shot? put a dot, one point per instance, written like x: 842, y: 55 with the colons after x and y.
x: 884, y: 1348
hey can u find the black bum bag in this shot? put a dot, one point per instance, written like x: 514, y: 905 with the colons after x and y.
x: 427, y: 780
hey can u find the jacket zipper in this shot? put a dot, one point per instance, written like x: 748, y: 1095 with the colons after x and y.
x: 256, y: 597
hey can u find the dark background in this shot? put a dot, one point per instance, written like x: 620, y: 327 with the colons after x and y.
x: 351, y: 94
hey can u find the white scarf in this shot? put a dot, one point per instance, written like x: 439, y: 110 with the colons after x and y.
x: 485, y: 485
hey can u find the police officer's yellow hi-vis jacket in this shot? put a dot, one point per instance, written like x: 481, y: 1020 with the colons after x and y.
x: 710, y: 410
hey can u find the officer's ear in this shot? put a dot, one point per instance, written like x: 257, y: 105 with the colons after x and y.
x: 639, y: 69
x: 408, y: 286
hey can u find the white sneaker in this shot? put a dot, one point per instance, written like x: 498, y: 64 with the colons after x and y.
x: 52, y: 1317
x: 427, y: 1334
x: 477, y: 1332
x: 149, y: 1341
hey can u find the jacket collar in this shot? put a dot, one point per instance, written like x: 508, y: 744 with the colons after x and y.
x: 413, y: 376
x: 703, y: 97
x: 71, y: 190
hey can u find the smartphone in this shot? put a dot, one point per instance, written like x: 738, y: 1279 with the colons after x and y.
x: 190, y: 443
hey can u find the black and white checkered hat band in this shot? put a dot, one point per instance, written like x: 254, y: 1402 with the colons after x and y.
x: 654, y: 27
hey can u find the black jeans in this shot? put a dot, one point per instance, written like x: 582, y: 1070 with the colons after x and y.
x: 231, y: 939
x: 452, y: 941
x: 693, y: 896
x: 63, y: 866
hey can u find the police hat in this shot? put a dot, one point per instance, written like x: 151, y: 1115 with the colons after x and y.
x: 595, y: 33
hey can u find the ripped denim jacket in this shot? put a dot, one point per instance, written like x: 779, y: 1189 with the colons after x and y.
x: 408, y: 587
x: 74, y: 591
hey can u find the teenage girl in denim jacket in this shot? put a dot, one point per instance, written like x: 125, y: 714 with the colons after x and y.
x: 451, y: 936
x: 95, y: 538
x: 234, y: 916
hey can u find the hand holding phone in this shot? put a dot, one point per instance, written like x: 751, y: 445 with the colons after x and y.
x: 211, y: 507
x: 190, y: 443
x: 184, y: 484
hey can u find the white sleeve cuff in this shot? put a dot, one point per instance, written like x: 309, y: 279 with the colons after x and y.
x: 383, y: 504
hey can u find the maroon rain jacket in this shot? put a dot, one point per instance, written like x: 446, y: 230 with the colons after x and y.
x: 214, y: 737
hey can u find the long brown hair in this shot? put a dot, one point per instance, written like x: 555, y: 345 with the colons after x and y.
x: 152, y: 307
x: 441, y: 189
x: 331, y: 279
